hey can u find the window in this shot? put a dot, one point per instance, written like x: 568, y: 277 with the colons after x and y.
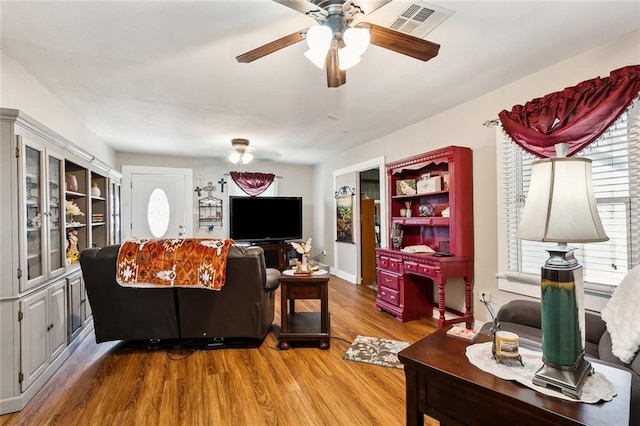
x: 271, y: 191
x: 616, y: 179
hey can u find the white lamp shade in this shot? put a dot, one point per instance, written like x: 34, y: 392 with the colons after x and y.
x: 357, y: 39
x: 561, y: 205
x: 246, y: 158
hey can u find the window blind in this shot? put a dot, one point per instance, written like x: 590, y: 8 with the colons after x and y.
x: 616, y: 178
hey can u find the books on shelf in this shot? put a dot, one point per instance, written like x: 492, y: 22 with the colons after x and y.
x: 462, y: 333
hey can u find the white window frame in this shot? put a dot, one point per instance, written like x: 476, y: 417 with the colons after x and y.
x: 528, y: 284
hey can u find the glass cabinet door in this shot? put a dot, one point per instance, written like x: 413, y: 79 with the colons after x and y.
x: 56, y: 249
x: 35, y: 271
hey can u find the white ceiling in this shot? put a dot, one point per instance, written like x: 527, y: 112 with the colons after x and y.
x: 161, y: 77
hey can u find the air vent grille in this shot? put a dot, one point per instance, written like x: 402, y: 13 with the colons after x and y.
x: 415, y: 18
x: 411, y: 10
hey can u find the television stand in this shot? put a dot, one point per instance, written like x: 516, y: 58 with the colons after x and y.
x: 275, y: 255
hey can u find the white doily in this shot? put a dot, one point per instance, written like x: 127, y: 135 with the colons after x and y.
x: 595, y: 388
x: 291, y: 272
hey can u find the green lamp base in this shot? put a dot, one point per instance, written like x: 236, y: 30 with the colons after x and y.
x: 569, y: 380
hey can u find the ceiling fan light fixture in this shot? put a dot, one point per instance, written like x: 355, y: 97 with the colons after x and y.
x: 347, y: 58
x: 317, y: 57
x: 319, y: 37
x: 240, y: 153
x: 246, y: 158
x: 357, y: 39
x: 234, y: 157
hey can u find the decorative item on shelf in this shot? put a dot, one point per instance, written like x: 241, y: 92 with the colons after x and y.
x: 95, y: 190
x: 71, y: 210
x: 396, y: 236
x: 73, y: 252
x: 426, y: 210
x: 403, y: 212
x: 406, y: 187
x: 445, y: 181
x: 71, y: 182
x: 304, y: 249
x: 430, y: 184
x: 407, y: 204
x: 561, y: 207
x: 446, y: 212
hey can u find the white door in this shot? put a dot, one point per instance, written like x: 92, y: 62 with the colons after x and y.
x: 159, y: 205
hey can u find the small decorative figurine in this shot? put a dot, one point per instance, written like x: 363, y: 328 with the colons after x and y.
x: 72, y: 246
x: 304, y: 249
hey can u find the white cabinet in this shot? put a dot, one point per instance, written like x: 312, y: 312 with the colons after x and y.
x: 39, y: 212
x: 44, y: 312
x: 43, y: 319
x: 76, y: 319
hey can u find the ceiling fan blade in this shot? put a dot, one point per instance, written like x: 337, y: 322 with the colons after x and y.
x: 274, y: 46
x: 368, y: 6
x: 401, y: 42
x: 303, y: 6
x: 335, y: 76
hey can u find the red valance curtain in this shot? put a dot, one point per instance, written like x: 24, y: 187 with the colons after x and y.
x: 576, y: 115
x: 253, y: 183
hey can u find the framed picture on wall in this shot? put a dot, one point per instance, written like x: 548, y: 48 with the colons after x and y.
x: 344, y: 215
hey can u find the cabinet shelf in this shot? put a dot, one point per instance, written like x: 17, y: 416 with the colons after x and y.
x: 74, y: 225
x: 414, y: 196
x: 421, y: 221
x: 74, y: 194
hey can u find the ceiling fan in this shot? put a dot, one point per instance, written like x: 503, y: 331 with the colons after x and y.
x: 336, y: 21
x: 241, y: 152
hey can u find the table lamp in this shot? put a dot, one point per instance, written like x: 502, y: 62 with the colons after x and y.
x: 561, y: 207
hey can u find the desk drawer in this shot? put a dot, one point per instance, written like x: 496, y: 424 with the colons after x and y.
x: 428, y: 270
x: 388, y: 280
x: 390, y: 264
x: 388, y: 295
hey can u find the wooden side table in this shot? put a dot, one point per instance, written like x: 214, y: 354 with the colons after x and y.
x: 442, y: 383
x: 304, y: 326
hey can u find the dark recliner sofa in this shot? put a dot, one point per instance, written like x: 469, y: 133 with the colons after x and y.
x: 523, y: 317
x: 242, y: 309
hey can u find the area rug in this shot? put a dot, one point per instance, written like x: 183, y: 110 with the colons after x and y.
x: 372, y: 350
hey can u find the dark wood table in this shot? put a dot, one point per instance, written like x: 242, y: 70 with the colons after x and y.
x: 304, y: 326
x: 443, y: 384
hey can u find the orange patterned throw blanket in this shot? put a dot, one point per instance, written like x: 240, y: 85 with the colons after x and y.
x: 184, y: 262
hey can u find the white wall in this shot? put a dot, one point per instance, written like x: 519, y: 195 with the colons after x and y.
x: 295, y: 181
x: 462, y: 125
x: 19, y: 90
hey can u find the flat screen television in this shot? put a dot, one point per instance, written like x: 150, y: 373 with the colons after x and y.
x: 265, y: 219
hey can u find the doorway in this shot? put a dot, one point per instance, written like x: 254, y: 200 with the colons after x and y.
x: 157, y: 202
x: 369, y: 224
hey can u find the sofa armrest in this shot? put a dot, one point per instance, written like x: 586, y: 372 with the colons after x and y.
x: 272, y: 282
x: 524, y: 312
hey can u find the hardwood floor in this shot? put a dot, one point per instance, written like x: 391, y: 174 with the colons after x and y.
x: 114, y: 384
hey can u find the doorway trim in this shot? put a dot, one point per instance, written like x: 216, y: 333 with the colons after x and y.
x: 378, y: 162
x: 127, y: 171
